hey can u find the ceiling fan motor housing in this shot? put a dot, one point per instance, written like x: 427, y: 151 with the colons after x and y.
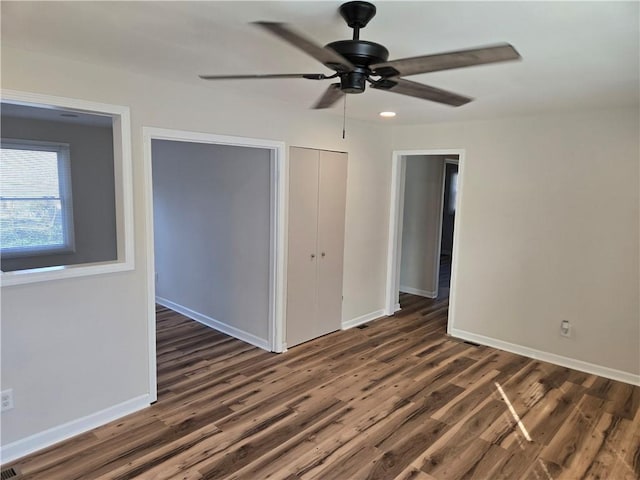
x: 360, y: 53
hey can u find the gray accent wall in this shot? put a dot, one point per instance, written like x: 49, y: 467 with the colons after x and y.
x: 420, y: 224
x: 212, y: 231
x: 92, y: 188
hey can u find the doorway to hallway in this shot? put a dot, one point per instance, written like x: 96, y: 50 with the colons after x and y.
x: 425, y: 195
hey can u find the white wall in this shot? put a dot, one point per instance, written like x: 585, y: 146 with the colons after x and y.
x: 421, y: 224
x: 548, y: 230
x: 74, y: 347
x: 212, y: 231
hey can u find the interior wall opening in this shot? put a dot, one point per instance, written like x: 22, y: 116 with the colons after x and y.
x: 66, y: 204
x: 212, y: 235
x: 216, y: 216
x: 429, y: 191
x: 422, y: 227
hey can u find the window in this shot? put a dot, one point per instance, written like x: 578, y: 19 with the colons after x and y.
x: 36, y: 214
x: 110, y: 185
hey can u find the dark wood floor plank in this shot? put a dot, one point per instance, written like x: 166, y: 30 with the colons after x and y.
x: 461, y: 449
x: 360, y: 423
x: 545, y: 426
x: 397, y: 399
x: 455, y: 410
x: 262, y: 443
x: 574, y: 433
x: 162, y: 455
x: 415, y: 418
x: 403, y: 452
x: 280, y: 458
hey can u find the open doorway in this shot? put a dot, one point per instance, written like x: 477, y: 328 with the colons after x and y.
x: 216, y: 220
x: 428, y: 204
x: 425, y: 199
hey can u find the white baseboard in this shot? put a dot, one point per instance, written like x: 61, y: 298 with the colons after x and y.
x: 415, y: 291
x: 38, y: 441
x: 354, y: 322
x: 397, y: 308
x: 216, y: 324
x: 587, y: 367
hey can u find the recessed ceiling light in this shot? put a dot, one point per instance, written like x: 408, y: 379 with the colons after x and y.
x: 387, y: 114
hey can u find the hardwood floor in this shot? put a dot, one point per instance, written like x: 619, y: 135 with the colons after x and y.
x: 397, y: 399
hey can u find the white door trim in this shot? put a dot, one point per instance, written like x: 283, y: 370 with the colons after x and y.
x: 395, y: 228
x: 277, y: 230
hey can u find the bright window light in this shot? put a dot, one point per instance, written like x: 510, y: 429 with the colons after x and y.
x: 35, y: 198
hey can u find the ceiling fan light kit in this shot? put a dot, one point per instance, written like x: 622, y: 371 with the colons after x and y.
x: 358, y: 62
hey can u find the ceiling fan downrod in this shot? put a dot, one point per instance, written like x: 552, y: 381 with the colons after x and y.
x: 360, y: 53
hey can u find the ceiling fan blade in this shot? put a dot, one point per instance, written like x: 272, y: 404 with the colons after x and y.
x: 328, y: 57
x: 420, y: 90
x: 309, y: 76
x: 445, y: 61
x: 330, y: 96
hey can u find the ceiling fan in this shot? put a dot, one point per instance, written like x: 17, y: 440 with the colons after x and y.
x: 357, y: 62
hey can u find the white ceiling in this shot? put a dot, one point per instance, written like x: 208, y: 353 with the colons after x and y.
x: 576, y: 55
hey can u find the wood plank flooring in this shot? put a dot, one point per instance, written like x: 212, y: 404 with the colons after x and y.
x: 397, y: 399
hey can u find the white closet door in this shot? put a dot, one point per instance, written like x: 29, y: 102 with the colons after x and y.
x: 331, y: 214
x: 302, y: 299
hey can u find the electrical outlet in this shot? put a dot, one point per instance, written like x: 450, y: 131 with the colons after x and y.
x: 565, y: 328
x: 7, y: 399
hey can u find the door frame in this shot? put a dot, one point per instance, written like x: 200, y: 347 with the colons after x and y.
x: 277, y: 233
x: 396, y: 210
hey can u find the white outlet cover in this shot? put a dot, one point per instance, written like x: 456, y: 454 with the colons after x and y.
x: 7, y: 399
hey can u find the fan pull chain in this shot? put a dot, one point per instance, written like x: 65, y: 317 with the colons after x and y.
x: 344, y: 117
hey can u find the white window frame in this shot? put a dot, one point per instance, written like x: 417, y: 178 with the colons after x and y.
x: 122, y: 183
x: 66, y: 197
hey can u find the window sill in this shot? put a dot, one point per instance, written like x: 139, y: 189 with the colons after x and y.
x: 36, y: 252
x: 21, y: 277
